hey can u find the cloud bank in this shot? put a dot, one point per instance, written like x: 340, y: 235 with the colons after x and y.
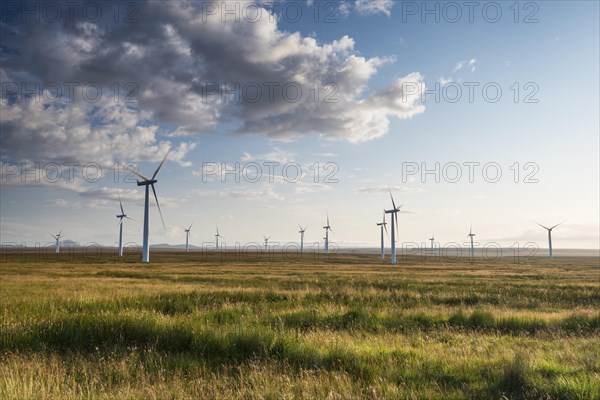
x: 185, y: 71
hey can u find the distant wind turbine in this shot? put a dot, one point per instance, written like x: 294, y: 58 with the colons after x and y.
x: 327, y: 229
x: 383, y: 226
x: 217, y: 236
x: 266, y: 243
x: 121, y: 216
x: 187, y: 238
x: 57, y: 238
x: 432, y: 239
x: 149, y: 183
x: 394, y: 211
x: 301, y: 232
x: 471, y: 235
x: 549, y: 237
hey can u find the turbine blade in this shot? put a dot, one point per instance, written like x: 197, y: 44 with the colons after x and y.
x: 158, y: 205
x: 133, y: 171
x: 190, y: 227
x: 121, y: 204
x: 161, y: 164
x: 392, y: 197
x: 545, y: 227
x: 557, y: 225
x: 59, y: 233
x: 386, y: 231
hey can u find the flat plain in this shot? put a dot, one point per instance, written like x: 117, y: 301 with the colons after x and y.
x: 204, y: 326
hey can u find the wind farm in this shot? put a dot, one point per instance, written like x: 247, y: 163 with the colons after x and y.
x: 188, y: 303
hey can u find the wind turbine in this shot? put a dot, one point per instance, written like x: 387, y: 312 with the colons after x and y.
x: 57, y: 238
x: 327, y: 229
x: 301, y: 232
x: 549, y: 237
x: 383, y: 226
x: 217, y: 236
x: 393, y: 211
x: 187, y: 238
x: 471, y: 235
x: 432, y: 239
x: 266, y: 243
x: 121, y: 216
x: 149, y: 183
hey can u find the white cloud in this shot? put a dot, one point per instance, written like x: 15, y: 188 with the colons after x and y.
x: 263, y: 193
x: 101, y: 132
x: 275, y: 154
x: 472, y: 64
x: 387, y: 189
x: 374, y: 7
x: 304, y: 187
x: 459, y: 65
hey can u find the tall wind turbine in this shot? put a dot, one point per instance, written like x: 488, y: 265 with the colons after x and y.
x: 327, y: 229
x: 301, y: 232
x: 57, y: 238
x: 549, y: 237
x: 472, y: 235
x: 121, y: 216
x: 432, y: 239
x: 383, y: 226
x: 149, y: 183
x: 217, y: 236
x: 187, y: 238
x: 266, y: 243
x: 394, y: 211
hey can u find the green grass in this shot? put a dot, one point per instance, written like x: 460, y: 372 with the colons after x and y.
x: 349, y: 328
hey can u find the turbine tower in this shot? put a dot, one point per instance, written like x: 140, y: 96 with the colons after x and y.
x: 549, y: 237
x: 121, y: 216
x: 57, y: 238
x: 432, y: 239
x: 187, y: 238
x: 393, y: 211
x: 327, y: 229
x: 266, y: 243
x: 149, y: 183
x: 383, y: 226
x: 301, y: 232
x: 217, y: 236
x: 471, y: 235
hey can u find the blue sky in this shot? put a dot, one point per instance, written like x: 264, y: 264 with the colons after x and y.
x: 371, y: 134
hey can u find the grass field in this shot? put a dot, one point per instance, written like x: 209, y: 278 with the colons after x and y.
x: 188, y: 327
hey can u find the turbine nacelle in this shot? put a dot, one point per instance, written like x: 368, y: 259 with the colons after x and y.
x: 147, y: 182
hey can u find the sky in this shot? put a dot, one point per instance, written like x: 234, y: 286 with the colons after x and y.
x: 481, y: 114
